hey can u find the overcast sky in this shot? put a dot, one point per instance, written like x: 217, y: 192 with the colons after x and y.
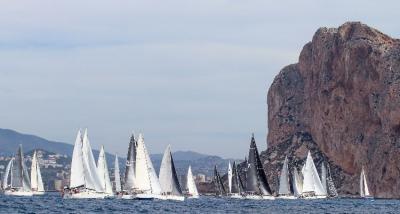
x: 193, y: 74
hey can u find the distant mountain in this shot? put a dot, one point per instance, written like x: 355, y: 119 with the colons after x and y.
x: 201, y: 163
x: 10, y: 139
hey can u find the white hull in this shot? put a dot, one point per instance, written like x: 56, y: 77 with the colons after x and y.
x: 127, y: 197
x: 171, y: 197
x: 259, y: 197
x: 38, y: 192
x: 193, y: 197
x: 85, y: 195
x: 287, y: 197
x: 17, y: 193
x: 314, y: 197
x: 236, y: 196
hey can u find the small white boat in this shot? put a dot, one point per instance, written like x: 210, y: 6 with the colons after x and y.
x: 284, y: 182
x: 170, y: 187
x: 85, y: 181
x: 191, y: 185
x: 312, y: 185
x: 16, y: 180
x: 364, y: 190
x: 36, y: 177
x: 104, y: 176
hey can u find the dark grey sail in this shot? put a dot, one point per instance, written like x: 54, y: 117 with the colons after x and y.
x: 237, y: 185
x: 129, y: 179
x: 256, y: 178
x: 177, y: 187
x: 219, y: 186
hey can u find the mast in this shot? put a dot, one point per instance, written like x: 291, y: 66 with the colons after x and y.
x: 167, y: 176
x: 129, y: 184
x: 102, y: 170
x: 191, y: 185
x: 219, y: 186
x: 229, y: 177
x: 256, y: 178
x: 284, y: 186
x: 117, y: 176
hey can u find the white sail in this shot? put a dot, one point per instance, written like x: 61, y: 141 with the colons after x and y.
x: 229, y: 177
x: 102, y: 170
x: 311, y: 182
x: 36, y: 176
x: 364, y: 191
x: 167, y: 176
x: 284, y: 186
x: 91, y: 175
x: 324, y: 178
x: 191, y: 185
x: 117, y: 177
x: 297, y: 183
x: 77, y: 166
x: 146, y: 176
x: 6, y: 173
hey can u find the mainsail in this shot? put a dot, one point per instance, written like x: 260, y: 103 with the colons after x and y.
x: 117, y: 176
x: 168, y: 177
x: 129, y: 178
x: 237, y: 185
x: 7, y: 172
x: 36, y: 176
x: 191, y: 185
x: 219, y: 186
x: 256, y: 178
x: 364, y: 191
x: 102, y: 170
x: 19, y: 174
x: 146, y: 177
x: 77, y: 165
x: 229, y: 177
x: 284, y: 179
x: 311, y: 182
x: 332, y: 192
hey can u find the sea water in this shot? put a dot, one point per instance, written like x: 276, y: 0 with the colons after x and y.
x: 53, y: 203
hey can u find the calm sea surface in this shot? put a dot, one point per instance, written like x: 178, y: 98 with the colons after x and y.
x: 54, y: 204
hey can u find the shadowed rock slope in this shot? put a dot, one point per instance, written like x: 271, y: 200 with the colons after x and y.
x: 342, y: 101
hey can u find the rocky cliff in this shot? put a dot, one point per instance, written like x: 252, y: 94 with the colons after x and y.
x: 341, y: 101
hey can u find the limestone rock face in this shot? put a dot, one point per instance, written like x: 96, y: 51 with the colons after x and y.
x: 342, y: 101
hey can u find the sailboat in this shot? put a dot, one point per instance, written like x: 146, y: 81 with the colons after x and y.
x: 130, y: 167
x: 191, y: 185
x: 170, y: 188
x: 84, y: 181
x: 36, y: 176
x: 147, y: 183
x: 285, y: 191
x: 218, y: 185
x: 117, y: 177
x: 102, y: 170
x: 364, y: 191
x: 19, y: 184
x: 312, y: 185
x: 331, y: 189
x: 237, y: 189
x: 256, y: 186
